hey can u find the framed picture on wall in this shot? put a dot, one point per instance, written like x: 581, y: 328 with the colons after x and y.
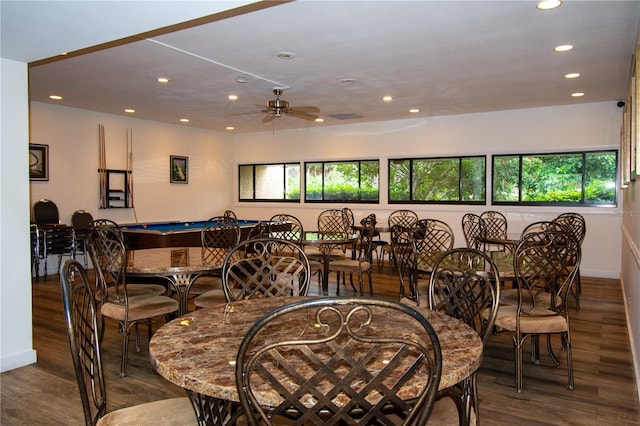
x: 179, y: 169
x: 38, y: 162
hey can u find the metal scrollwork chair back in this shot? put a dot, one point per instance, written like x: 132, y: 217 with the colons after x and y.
x: 545, y: 265
x: 219, y: 235
x: 473, y: 231
x: 325, y: 361
x: 84, y: 332
x: 274, y: 268
x: 465, y: 284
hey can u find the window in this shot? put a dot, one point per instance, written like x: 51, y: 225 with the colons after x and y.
x: 451, y: 180
x: 575, y: 178
x: 269, y: 182
x: 342, y: 181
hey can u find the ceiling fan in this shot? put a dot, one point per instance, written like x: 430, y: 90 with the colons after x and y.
x: 279, y: 107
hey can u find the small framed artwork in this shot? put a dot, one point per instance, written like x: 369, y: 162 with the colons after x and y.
x: 38, y: 162
x: 179, y: 169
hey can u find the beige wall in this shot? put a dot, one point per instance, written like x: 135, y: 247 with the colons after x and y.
x: 72, y: 136
x: 587, y: 126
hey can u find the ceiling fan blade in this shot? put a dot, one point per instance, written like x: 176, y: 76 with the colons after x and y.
x: 303, y: 115
x: 267, y: 118
x: 307, y: 108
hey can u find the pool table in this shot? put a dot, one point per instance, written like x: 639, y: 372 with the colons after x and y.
x: 171, y: 234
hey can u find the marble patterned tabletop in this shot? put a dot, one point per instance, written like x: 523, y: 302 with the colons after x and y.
x: 197, y: 351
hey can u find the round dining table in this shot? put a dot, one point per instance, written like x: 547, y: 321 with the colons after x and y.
x: 180, y: 266
x: 198, y: 351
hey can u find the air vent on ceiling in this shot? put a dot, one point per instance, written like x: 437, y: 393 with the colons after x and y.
x: 345, y: 116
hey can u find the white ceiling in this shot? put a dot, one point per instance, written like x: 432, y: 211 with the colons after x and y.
x: 443, y: 57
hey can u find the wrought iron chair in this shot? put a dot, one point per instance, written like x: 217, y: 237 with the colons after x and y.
x: 545, y: 265
x: 109, y: 258
x: 494, y: 225
x: 577, y: 226
x: 81, y: 221
x: 362, y: 263
x: 271, y: 268
x: 403, y: 218
x: 336, y: 367
x: 402, y: 254
x: 465, y: 284
x: 83, y: 329
x: 473, y: 231
x: 294, y: 232
x: 429, y: 239
x: 219, y: 235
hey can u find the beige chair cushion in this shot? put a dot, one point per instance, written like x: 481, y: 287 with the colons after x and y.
x: 348, y: 265
x: 542, y: 321
x: 210, y: 298
x: 204, y: 284
x: 141, y: 307
x: 170, y: 412
x: 136, y: 290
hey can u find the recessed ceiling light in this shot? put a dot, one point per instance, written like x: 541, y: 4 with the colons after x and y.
x: 163, y: 80
x: 577, y: 94
x: 285, y: 55
x: 549, y: 4
x: 230, y: 128
x: 55, y: 97
x: 563, y: 48
x: 387, y: 98
x: 572, y: 75
x: 233, y: 97
x: 184, y: 120
x: 414, y: 110
x: 348, y: 80
x: 319, y: 120
x: 241, y: 79
x: 130, y: 110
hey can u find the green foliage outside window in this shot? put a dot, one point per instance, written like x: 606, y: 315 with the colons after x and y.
x: 352, y: 181
x: 570, y: 178
x: 437, y: 180
x: 269, y: 182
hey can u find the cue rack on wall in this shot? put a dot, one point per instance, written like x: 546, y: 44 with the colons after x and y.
x: 116, y: 185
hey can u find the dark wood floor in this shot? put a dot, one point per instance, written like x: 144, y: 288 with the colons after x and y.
x: 605, y: 393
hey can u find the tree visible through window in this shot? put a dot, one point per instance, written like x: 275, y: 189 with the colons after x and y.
x: 342, y: 181
x: 587, y: 178
x: 269, y: 182
x: 437, y: 180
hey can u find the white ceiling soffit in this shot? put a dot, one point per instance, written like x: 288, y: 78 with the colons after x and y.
x: 442, y: 57
x: 35, y: 30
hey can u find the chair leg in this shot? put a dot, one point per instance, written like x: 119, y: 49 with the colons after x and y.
x: 518, y: 349
x: 125, y: 347
x: 570, y: 386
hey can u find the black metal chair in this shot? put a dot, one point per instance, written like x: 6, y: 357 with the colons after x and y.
x: 336, y: 367
x: 81, y: 222
x: 45, y: 212
x: 83, y: 329
x: 465, y: 284
x: 54, y: 238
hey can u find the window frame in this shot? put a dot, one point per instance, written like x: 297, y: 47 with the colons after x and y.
x: 581, y: 203
x: 441, y: 202
x: 359, y: 200
x: 268, y: 200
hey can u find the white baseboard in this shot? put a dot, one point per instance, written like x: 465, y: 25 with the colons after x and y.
x: 18, y: 360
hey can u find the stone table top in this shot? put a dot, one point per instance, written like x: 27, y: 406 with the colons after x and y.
x: 198, y: 351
